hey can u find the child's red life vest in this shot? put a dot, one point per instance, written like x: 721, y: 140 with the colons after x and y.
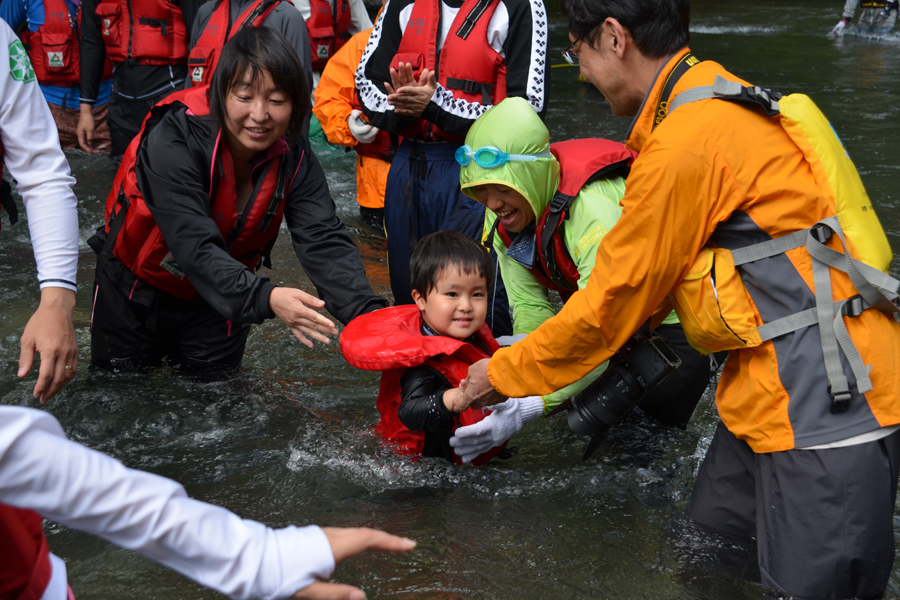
x: 152, y: 32
x: 25, y: 568
x: 391, y: 340
x: 468, y: 66
x: 205, y: 55
x: 328, y: 30
x: 140, y: 245
x: 580, y: 162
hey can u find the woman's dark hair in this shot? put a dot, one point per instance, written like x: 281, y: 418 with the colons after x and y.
x: 658, y: 27
x: 444, y: 249
x: 254, y: 50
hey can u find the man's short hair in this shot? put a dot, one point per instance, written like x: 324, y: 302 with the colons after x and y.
x: 445, y: 249
x: 658, y: 27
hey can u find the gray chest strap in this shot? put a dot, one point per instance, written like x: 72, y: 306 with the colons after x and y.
x: 875, y: 289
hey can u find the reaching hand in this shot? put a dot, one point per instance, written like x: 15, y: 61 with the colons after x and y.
x: 363, y: 132
x: 292, y: 307
x: 409, y: 97
x: 478, y: 391
x: 346, y: 543
x: 50, y: 333
x: 85, y: 128
x: 506, y: 420
x: 839, y: 28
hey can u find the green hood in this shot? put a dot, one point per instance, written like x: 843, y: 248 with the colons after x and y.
x: 514, y: 127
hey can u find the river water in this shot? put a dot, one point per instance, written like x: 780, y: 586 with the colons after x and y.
x: 288, y: 439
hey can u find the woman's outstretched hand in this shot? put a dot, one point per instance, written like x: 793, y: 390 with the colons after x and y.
x: 346, y: 543
x: 293, y: 307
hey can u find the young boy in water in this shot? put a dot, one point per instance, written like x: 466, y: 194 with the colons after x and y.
x: 425, y: 350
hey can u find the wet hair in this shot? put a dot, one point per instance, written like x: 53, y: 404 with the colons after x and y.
x: 254, y: 50
x: 658, y: 27
x: 442, y: 250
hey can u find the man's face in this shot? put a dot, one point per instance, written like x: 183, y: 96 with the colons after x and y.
x: 603, y: 67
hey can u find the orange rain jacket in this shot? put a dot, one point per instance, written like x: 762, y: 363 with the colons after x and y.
x: 712, y: 172
x: 333, y: 103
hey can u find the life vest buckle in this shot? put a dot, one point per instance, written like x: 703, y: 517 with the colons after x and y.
x: 853, y: 307
x: 559, y: 202
x: 840, y: 401
x: 821, y: 232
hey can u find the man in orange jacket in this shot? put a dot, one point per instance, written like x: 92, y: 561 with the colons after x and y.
x: 343, y: 123
x: 808, y: 472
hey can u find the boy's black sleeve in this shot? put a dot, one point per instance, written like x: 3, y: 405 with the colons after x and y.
x: 422, y: 400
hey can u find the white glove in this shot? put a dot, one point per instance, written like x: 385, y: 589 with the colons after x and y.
x: 509, y: 340
x: 839, y: 28
x: 506, y: 420
x: 363, y: 132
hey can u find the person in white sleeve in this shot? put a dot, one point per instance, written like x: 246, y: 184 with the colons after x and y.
x: 41, y: 471
x: 30, y: 149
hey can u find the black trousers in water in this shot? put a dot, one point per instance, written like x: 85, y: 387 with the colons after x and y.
x: 135, y: 326
x: 126, y: 117
x: 822, y: 519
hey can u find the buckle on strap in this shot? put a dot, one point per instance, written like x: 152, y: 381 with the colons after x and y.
x: 559, y: 202
x: 840, y: 401
x: 821, y: 232
x: 854, y: 306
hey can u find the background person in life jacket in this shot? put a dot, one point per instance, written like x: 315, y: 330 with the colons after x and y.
x: 51, y: 37
x: 877, y: 16
x: 518, y: 194
x: 206, y: 195
x: 431, y: 68
x: 30, y: 150
x: 331, y: 25
x: 337, y: 109
x: 282, y: 18
x: 810, y: 483
x: 147, y: 44
x: 42, y: 473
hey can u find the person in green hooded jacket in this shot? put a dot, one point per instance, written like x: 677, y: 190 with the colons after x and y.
x: 507, y: 165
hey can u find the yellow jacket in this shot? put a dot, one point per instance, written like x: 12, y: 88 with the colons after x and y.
x: 333, y: 104
x: 714, y: 172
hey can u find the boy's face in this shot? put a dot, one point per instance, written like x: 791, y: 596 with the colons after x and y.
x: 457, y: 304
x: 511, y: 207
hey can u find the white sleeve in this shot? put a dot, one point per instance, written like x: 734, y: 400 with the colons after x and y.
x: 304, y: 8
x: 32, y: 154
x: 359, y: 17
x: 89, y: 491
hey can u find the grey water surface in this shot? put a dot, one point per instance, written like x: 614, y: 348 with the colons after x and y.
x: 288, y: 440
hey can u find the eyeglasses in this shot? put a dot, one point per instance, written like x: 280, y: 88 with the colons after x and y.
x: 569, y: 54
x: 491, y: 156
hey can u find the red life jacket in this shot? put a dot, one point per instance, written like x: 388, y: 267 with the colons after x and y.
x: 204, y: 56
x: 328, y: 30
x: 468, y: 66
x: 53, y: 48
x: 380, y: 147
x: 391, y: 340
x: 140, y: 245
x: 152, y: 32
x: 581, y: 162
x: 25, y: 567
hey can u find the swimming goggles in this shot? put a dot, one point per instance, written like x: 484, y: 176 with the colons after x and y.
x: 491, y: 156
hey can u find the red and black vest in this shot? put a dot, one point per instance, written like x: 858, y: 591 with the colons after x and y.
x: 467, y: 65
x: 581, y: 162
x: 152, y: 32
x: 391, y: 340
x: 139, y: 244
x: 25, y: 568
x: 53, y: 48
x: 205, y: 55
x: 328, y: 30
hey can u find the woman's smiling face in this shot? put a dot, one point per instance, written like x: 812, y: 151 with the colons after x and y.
x: 256, y: 114
x: 512, y: 209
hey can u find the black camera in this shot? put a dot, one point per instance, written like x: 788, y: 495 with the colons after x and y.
x: 642, y: 363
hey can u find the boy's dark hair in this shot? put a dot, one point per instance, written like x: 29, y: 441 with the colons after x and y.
x: 254, y: 50
x: 443, y: 249
x: 658, y: 27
